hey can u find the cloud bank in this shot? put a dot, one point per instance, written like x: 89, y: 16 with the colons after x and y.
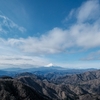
x: 22, y: 61
x: 84, y: 34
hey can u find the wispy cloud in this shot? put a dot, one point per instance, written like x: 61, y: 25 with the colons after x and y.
x: 7, y: 25
x: 92, y: 56
x: 89, y: 11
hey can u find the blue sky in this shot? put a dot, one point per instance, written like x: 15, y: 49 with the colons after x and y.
x: 50, y: 32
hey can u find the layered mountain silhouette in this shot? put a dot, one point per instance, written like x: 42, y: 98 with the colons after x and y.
x: 27, y: 86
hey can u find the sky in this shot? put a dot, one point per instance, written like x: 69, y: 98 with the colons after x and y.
x: 35, y: 33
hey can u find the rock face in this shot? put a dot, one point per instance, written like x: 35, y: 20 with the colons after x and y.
x: 11, y: 89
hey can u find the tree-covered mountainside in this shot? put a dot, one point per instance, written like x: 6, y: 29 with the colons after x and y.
x: 27, y: 86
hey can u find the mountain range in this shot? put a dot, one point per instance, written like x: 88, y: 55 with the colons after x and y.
x: 85, y: 86
x: 51, y: 86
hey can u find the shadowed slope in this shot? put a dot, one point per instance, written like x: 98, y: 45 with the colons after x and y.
x: 11, y: 89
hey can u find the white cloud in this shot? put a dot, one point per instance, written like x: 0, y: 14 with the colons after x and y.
x: 52, y: 42
x: 82, y: 36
